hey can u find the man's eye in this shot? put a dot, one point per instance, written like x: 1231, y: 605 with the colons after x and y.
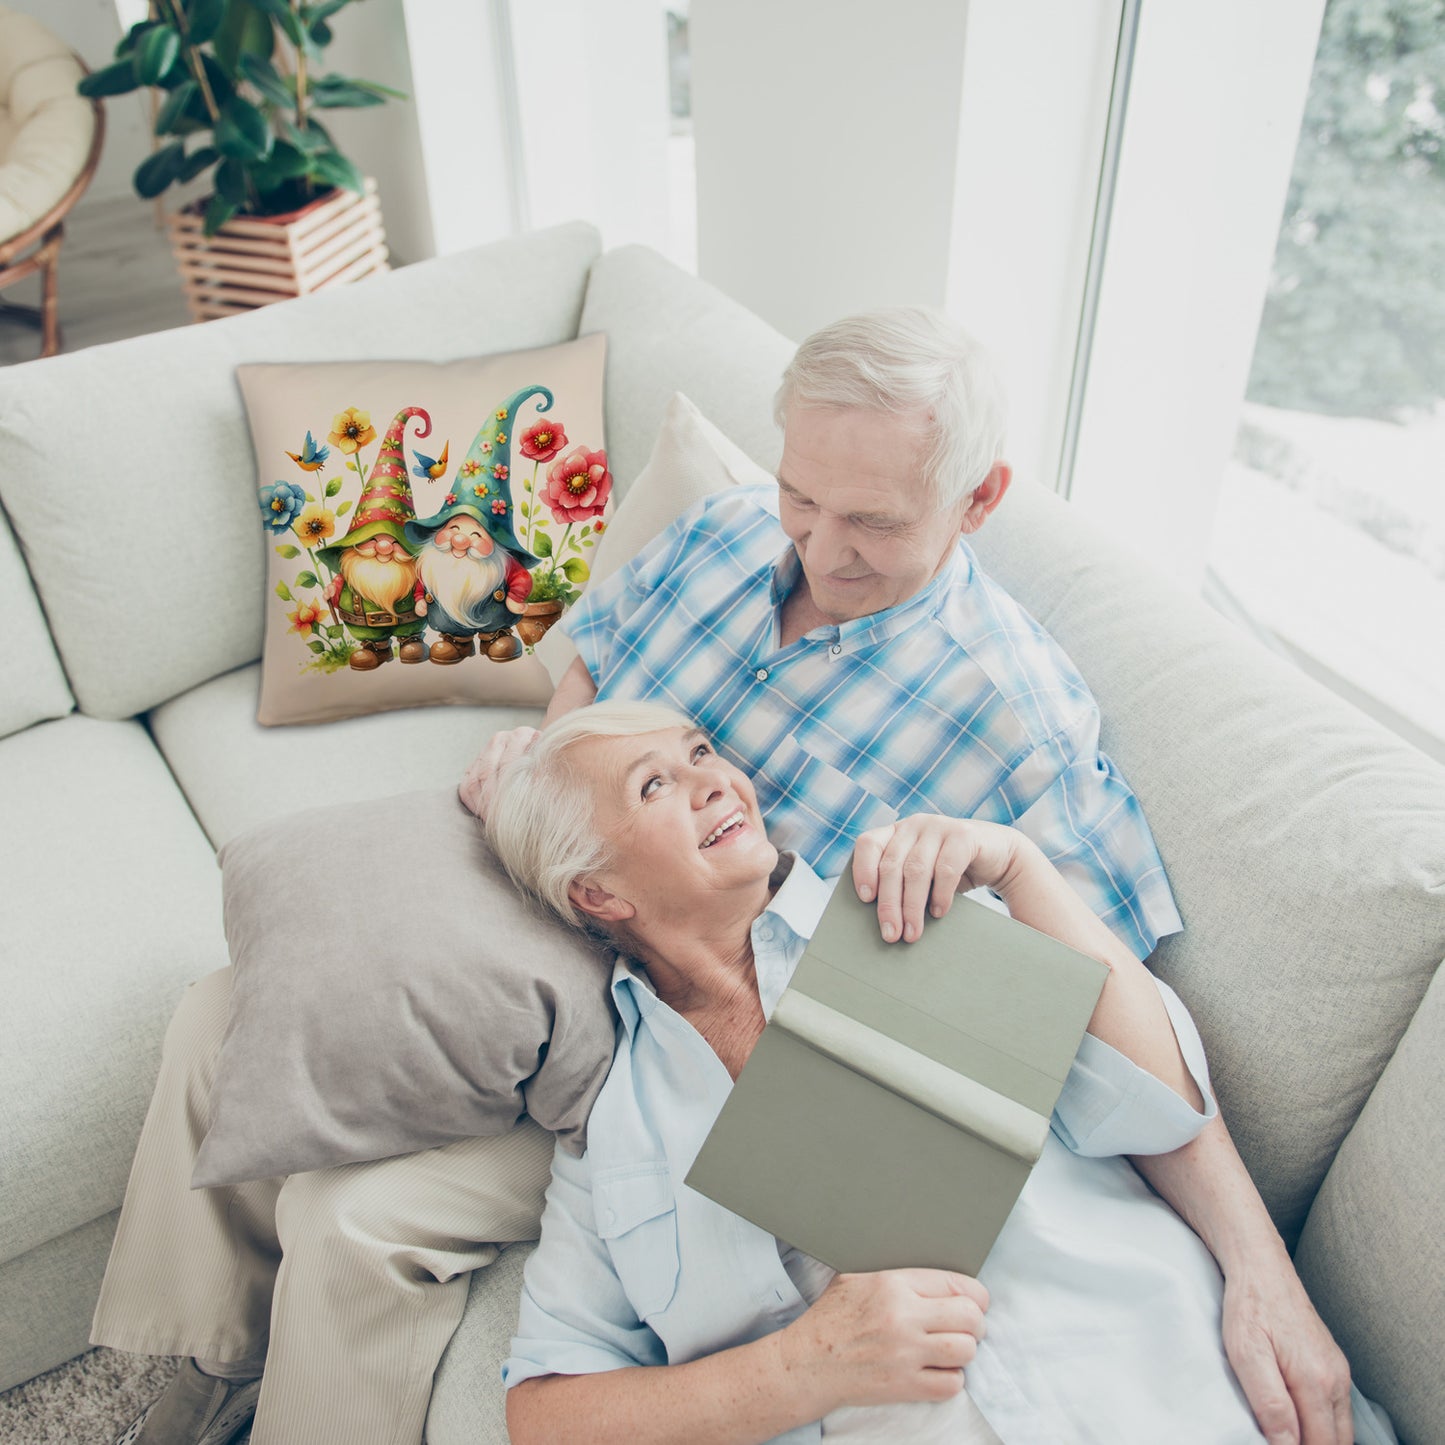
x: 701, y: 750
x: 651, y: 785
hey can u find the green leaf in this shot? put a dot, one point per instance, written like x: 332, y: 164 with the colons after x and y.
x: 278, y: 89
x: 590, y: 542
x: 242, y: 132
x: 157, y: 171
x: 320, y: 36
x: 197, y: 161
x: 377, y: 88
x: 331, y: 632
x: 131, y: 38
x: 333, y: 92
x: 203, y: 19
x: 244, y: 31
x: 306, y: 579
x: 526, y: 509
x: 288, y: 551
x: 542, y: 545
x: 231, y: 182
x: 324, y: 10
x: 343, y: 509
x: 117, y: 79
x: 333, y: 486
x: 352, y: 467
x: 577, y: 570
x: 333, y: 168
x: 284, y: 592
x: 175, y: 105
x: 218, y: 212
x: 223, y: 86
x: 157, y: 52
x: 309, y: 497
x: 316, y: 646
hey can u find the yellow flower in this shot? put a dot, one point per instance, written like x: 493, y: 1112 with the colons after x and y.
x: 306, y: 616
x: 314, y: 525
x: 351, y: 429
x: 501, y: 413
x: 501, y: 438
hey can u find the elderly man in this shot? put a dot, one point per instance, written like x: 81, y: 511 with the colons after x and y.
x: 839, y: 642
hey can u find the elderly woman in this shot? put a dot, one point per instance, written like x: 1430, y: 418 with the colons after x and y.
x: 654, y: 1314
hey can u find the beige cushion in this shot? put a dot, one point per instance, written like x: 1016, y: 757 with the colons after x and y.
x: 157, y: 411
x: 392, y: 994
x: 1302, y: 842
x: 47, y: 128
x: 691, y: 459
x: 1373, y: 1250
x: 32, y: 684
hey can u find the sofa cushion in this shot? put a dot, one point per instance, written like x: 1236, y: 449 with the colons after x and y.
x: 669, y: 332
x: 375, y: 430
x: 111, y: 905
x: 237, y: 774
x: 1372, y: 1254
x: 32, y: 683
x: 1301, y: 840
x: 157, y: 454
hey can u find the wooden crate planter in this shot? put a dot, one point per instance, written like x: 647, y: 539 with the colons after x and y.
x: 255, y: 260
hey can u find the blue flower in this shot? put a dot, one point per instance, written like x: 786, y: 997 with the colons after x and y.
x: 281, y: 504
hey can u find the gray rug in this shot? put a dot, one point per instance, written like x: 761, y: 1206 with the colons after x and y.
x: 86, y: 1402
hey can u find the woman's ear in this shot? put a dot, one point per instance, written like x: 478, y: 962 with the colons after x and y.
x: 595, y: 901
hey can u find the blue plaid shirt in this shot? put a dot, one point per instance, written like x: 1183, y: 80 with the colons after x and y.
x: 954, y: 702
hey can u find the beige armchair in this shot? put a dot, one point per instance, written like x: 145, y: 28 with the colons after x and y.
x: 50, y: 140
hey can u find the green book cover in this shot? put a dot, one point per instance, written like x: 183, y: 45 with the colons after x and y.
x: 900, y: 1094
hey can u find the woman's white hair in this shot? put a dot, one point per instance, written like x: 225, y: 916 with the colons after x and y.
x: 541, y: 823
x: 908, y: 360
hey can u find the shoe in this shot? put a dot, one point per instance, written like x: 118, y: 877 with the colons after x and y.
x: 448, y: 649
x: 413, y: 649
x: 504, y: 647
x: 194, y: 1409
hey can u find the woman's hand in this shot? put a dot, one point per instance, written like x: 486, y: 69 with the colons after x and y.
x: 918, y: 864
x: 899, y: 1334
x: 477, y: 784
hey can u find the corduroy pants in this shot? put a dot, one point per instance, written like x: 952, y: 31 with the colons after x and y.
x: 350, y: 1281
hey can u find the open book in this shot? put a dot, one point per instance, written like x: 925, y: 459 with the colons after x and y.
x: 892, y: 1109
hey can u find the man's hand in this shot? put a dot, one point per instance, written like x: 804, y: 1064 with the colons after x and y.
x: 1295, y: 1377
x: 475, y: 788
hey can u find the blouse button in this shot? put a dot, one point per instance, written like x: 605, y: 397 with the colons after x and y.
x: 761, y: 674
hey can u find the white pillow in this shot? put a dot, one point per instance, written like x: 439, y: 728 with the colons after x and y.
x: 691, y: 459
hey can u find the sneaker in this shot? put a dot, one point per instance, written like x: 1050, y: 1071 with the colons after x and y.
x: 195, y: 1409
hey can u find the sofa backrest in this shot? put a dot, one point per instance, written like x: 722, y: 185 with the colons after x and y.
x: 128, y: 474
x: 32, y: 682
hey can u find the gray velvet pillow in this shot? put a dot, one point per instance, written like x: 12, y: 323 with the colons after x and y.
x: 393, y: 995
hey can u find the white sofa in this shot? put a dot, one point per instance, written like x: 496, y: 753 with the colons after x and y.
x: 1305, y: 845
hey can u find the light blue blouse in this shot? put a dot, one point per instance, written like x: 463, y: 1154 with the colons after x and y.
x: 1105, y: 1316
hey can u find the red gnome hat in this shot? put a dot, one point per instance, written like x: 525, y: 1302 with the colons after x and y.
x: 386, y: 504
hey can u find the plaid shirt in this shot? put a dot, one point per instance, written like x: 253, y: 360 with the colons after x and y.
x: 954, y: 702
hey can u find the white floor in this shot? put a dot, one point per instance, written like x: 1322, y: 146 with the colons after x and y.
x: 117, y: 279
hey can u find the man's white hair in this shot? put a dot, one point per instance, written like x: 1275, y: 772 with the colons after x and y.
x: 541, y: 823
x: 908, y: 359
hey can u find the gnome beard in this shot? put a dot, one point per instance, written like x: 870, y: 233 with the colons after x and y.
x: 464, y: 586
x: 383, y: 584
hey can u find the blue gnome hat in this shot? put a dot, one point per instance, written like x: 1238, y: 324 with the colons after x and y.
x: 482, y: 487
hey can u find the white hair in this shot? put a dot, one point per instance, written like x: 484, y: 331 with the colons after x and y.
x: 541, y: 823
x: 908, y: 360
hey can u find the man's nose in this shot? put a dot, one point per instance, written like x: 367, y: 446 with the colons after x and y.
x: 829, y: 548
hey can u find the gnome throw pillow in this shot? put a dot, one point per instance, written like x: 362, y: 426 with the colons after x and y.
x: 426, y: 523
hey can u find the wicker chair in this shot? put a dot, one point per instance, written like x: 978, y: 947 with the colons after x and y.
x: 50, y: 140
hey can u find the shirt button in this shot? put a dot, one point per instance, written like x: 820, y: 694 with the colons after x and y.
x: 761, y: 674
x: 836, y: 648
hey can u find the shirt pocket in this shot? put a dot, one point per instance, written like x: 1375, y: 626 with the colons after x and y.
x: 816, y: 808
x: 636, y: 1211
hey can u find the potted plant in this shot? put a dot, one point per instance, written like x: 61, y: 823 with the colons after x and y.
x: 239, y: 85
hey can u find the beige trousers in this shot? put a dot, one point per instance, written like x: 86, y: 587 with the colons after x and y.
x: 349, y: 1281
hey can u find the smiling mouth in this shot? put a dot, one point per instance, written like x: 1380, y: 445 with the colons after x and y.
x: 726, y: 826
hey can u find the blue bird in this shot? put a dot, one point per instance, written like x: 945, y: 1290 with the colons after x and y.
x: 430, y: 468
x: 311, y: 458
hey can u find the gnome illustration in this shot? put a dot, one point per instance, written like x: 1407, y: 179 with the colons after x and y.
x: 374, y: 589
x: 471, y: 567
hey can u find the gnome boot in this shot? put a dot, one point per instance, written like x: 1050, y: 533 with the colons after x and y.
x: 370, y: 655
x: 503, y: 646
x: 448, y: 649
x: 413, y: 649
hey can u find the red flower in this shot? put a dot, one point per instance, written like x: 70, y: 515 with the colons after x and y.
x: 451, y: 498
x: 499, y: 508
x: 500, y: 472
x: 578, y: 486
x: 543, y: 440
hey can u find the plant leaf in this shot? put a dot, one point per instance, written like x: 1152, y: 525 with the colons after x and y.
x: 382, y: 90
x: 158, y: 50
x: 343, y: 509
x: 319, y: 36
x: 284, y: 592
x: 332, y: 92
x: 542, y: 545
x: 117, y: 79
x: 306, y: 579
x: 242, y: 132
x: 244, y: 31
x: 231, y: 182
x: 591, y: 541
x: 157, y: 171
x: 331, y: 632
x: 218, y: 212
x: 333, y: 486
x: 289, y: 551
x: 203, y: 19
x: 278, y: 89
x: 576, y: 569
x: 323, y: 10
x: 175, y: 106
x: 197, y: 161
x: 316, y: 646
x: 131, y: 38
x: 333, y: 168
